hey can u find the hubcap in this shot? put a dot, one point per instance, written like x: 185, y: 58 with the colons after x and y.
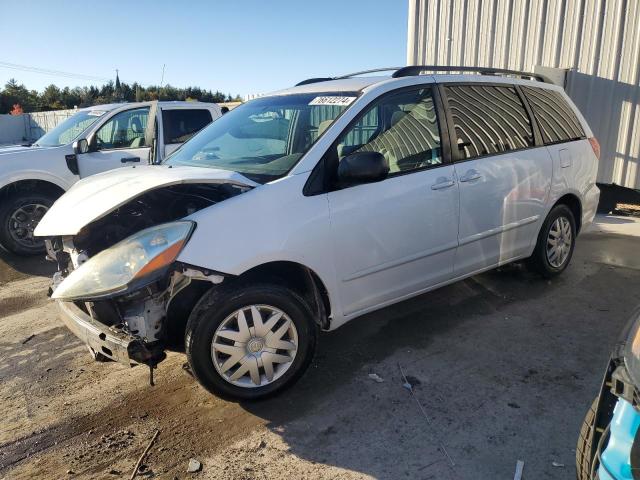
x: 254, y: 346
x: 23, y: 222
x: 559, y: 242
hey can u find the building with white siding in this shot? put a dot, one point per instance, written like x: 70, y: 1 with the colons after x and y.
x: 590, y: 46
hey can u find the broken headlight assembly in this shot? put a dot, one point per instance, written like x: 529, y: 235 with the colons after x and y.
x: 135, y: 261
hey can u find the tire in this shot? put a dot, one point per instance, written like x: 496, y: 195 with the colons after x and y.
x: 216, y: 316
x: 541, y: 261
x: 28, y: 208
x: 583, y: 449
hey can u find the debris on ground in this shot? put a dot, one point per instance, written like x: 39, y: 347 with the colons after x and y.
x: 144, y: 454
x: 409, y: 387
x: 28, y: 338
x: 519, y: 470
x: 557, y: 464
x: 376, y: 378
x: 194, y: 466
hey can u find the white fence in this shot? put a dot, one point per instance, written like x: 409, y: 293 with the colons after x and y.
x: 28, y: 127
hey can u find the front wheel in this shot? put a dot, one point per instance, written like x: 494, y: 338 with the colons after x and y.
x: 19, y: 215
x: 556, y: 241
x: 247, y: 342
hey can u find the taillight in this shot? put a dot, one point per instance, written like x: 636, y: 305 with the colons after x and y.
x: 595, y: 146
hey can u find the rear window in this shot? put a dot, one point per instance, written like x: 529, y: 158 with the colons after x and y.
x: 557, y: 121
x: 180, y: 125
x: 488, y: 120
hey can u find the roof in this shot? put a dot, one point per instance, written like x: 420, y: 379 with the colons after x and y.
x: 352, y: 84
x: 107, y: 107
x: 356, y: 83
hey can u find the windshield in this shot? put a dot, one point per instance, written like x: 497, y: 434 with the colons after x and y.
x: 264, y: 138
x: 70, y: 129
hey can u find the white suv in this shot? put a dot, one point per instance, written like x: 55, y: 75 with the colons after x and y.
x: 92, y: 140
x: 312, y: 206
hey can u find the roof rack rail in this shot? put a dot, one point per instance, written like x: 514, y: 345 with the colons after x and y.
x: 412, y: 70
x: 349, y: 75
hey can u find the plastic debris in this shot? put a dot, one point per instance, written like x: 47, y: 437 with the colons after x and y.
x: 557, y: 464
x: 376, y: 378
x: 519, y: 470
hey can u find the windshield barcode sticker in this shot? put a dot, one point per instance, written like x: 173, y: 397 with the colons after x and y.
x: 338, y: 101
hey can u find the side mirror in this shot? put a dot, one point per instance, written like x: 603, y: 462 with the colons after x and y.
x: 80, y: 146
x: 362, y: 167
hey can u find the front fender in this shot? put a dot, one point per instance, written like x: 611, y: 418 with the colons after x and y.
x: 270, y: 223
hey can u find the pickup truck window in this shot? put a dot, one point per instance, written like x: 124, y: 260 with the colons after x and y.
x: 180, y: 125
x: 124, y: 130
x: 264, y: 138
x: 70, y: 129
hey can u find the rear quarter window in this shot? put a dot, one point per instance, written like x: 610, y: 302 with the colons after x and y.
x: 556, y: 119
x: 182, y: 124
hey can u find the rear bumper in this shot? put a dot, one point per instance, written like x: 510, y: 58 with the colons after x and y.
x: 110, y: 342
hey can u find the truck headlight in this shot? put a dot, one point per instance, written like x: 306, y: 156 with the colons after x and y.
x: 135, y: 258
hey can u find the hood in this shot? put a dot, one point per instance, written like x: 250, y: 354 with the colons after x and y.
x: 98, y: 195
x: 20, y: 149
x: 14, y: 149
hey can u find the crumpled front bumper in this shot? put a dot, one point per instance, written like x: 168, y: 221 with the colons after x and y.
x: 110, y: 342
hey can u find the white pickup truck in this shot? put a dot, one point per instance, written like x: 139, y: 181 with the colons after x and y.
x: 93, y: 140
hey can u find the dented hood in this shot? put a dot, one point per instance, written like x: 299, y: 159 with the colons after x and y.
x: 96, y: 196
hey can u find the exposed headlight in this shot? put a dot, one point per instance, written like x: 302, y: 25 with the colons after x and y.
x: 632, y: 350
x: 134, y: 258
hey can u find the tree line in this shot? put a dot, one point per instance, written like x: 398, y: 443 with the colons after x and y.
x: 17, y: 98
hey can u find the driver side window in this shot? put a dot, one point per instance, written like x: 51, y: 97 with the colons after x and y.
x: 124, y: 130
x: 403, y: 127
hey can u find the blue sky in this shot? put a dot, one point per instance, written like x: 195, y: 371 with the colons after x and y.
x: 235, y: 46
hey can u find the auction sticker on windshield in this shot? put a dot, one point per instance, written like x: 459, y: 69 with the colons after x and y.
x: 332, y: 100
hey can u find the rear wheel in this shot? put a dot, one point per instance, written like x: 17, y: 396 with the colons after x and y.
x: 556, y: 242
x: 583, y: 450
x: 247, y: 342
x: 19, y: 216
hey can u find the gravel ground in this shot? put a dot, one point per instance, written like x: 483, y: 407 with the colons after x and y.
x: 503, y: 367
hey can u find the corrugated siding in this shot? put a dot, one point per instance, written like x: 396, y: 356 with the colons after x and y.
x: 598, y: 41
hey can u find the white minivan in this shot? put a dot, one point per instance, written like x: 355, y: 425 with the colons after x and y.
x: 92, y: 140
x: 304, y: 209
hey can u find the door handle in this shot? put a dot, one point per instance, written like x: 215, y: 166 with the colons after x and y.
x: 442, y: 183
x: 130, y: 160
x: 471, y: 176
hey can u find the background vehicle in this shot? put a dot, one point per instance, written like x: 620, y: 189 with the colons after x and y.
x: 319, y: 204
x: 32, y: 178
x: 609, y: 446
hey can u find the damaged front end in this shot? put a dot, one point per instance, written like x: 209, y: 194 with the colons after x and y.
x: 117, y: 278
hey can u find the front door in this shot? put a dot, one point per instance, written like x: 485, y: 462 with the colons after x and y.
x: 504, y: 179
x: 397, y: 237
x: 119, y: 142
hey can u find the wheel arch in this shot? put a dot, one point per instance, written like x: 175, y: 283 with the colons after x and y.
x: 572, y: 201
x: 31, y: 185
x: 299, y: 278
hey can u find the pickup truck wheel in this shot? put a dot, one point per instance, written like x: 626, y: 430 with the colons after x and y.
x: 19, y: 216
x: 246, y: 342
x: 556, y: 241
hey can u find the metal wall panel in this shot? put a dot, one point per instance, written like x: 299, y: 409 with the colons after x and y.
x: 597, y: 41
